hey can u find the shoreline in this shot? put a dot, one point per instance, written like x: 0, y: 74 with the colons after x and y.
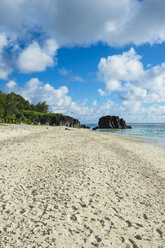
x: 75, y: 188
x: 143, y: 140
x: 136, y: 134
x: 127, y: 136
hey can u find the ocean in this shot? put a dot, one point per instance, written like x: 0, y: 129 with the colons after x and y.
x: 153, y: 133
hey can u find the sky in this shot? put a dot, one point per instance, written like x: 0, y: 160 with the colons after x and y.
x: 86, y: 58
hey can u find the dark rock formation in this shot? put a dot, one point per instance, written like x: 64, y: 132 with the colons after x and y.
x: 111, y: 122
x: 61, y: 120
x: 64, y: 120
x: 95, y: 128
x: 84, y: 126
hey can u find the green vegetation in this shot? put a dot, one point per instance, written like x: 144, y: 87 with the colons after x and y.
x: 15, y: 109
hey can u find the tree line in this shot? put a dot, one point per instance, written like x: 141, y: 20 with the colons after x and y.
x: 15, y: 109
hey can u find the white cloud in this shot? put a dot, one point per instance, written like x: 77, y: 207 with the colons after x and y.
x: 63, y: 71
x: 50, y: 47
x: 94, y: 103
x: 118, y: 68
x: 35, y: 91
x: 35, y: 59
x: 3, y: 41
x: 58, y: 99
x: 138, y: 87
x: 114, y: 22
x: 107, y: 106
x: 11, y: 85
x: 85, y: 22
x: 131, y: 107
x: 125, y: 72
x: 157, y: 110
x: 5, y: 70
x: 101, y: 92
x: 73, y: 23
x: 78, y: 22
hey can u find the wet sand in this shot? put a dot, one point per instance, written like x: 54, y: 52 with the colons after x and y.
x: 76, y: 188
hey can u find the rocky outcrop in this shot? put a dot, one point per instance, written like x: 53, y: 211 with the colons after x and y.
x: 64, y: 120
x: 84, y: 126
x: 111, y: 122
x: 50, y: 119
x: 95, y: 128
x: 67, y: 121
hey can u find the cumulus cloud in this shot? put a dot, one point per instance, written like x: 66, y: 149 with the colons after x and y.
x: 34, y: 91
x: 125, y: 73
x: 39, y: 23
x: 5, y: 69
x: 157, y: 110
x: 58, y: 99
x: 35, y: 59
x: 106, y: 106
x: 116, y: 23
x: 83, y: 22
x: 11, y: 15
x: 72, y: 23
x: 117, y: 68
x: 3, y: 41
x: 11, y: 85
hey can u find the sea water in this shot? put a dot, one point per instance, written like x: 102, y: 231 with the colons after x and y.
x: 153, y: 133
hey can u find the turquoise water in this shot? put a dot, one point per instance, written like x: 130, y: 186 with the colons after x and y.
x: 151, y: 133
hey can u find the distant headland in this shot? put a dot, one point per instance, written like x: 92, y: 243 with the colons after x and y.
x: 15, y: 109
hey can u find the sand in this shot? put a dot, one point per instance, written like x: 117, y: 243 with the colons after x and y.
x: 76, y: 188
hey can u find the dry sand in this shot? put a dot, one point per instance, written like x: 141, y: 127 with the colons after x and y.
x: 61, y: 188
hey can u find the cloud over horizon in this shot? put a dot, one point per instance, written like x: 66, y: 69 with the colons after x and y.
x: 33, y: 32
x: 136, y: 86
x: 58, y: 99
x: 74, y: 23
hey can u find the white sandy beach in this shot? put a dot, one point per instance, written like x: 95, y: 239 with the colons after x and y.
x: 79, y: 189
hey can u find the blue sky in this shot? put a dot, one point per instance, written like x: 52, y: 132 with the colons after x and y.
x: 86, y: 58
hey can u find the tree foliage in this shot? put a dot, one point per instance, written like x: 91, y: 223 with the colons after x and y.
x: 42, y: 107
x: 2, y: 104
x: 15, y: 109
